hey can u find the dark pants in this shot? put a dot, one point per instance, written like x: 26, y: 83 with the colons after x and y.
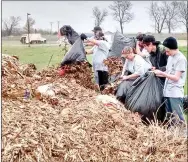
x: 174, y: 105
x: 103, y: 79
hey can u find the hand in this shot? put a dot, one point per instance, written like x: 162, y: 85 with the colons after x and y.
x: 83, y: 36
x: 158, y: 72
x: 124, y: 77
x: 153, y: 68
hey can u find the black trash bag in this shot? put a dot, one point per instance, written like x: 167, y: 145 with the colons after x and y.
x: 146, y: 97
x: 185, y: 103
x: 119, y: 42
x: 70, y: 34
x: 122, y: 89
x: 75, y: 54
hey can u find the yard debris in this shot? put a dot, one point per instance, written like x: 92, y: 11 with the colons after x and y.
x: 76, y: 124
x: 115, y: 65
x: 81, y: 72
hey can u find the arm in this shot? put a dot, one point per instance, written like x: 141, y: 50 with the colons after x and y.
x: 90, y: 51
x: 180, y: 68
x: 172, y: 77
x: 93, y: 41
x: 124, y: 68
x: 132, y: 76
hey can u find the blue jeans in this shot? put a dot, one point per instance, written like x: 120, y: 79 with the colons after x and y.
x: 174, y: 105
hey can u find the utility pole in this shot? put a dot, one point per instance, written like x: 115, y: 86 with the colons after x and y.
x: 28, y: 28
x: 51, y: 27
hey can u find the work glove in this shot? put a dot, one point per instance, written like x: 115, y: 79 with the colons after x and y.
x: 83, y: 36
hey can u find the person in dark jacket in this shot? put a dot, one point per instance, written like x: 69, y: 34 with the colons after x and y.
x: 158, y: 58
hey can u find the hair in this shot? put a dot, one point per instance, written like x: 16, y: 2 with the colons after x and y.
x: 127, y: 50
x: 150, y: 39
x: 140, y: 37
x: 100, y: 36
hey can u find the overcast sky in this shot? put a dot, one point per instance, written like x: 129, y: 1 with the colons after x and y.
x: 78, y: 14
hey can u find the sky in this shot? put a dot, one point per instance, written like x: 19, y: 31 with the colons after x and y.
x: 77, y: 14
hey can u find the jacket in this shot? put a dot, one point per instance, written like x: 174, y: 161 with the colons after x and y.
x: 159, y: 59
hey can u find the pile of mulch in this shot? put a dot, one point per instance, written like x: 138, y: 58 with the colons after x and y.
x: 114, y: 64
x: 77, y: 126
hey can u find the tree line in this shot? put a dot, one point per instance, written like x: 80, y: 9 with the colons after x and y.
x: 163, y: 14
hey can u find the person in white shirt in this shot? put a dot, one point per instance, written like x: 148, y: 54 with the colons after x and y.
x: 134, y: 67
x: 175, y: 75
x: 134, y: 64
x: 100, y: 53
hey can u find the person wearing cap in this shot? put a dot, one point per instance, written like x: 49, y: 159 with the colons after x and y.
x: 158, y: 58
x: 175, y: 75
x: 100, y: 52
x: 134, y: 67
x: 95, y: 31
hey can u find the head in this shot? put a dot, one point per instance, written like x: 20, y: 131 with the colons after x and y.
x: 100, y: 36
x: 171, y: 46
x: 127, y: 53
x: 150, y: 44
x: 139, y: 38
x: 96, y: 30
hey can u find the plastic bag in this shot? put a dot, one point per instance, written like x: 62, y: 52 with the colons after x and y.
x: 70, y: 34
x: 76, y: 53
x: 146, y: 97
x: 122, y: 89
x: 119, y: 42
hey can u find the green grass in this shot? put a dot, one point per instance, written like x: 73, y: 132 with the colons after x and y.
x: 38, y: 55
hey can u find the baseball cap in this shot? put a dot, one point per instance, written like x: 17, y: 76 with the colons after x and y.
x: 97, y: 28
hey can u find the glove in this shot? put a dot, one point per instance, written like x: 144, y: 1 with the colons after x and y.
x: 83, y: 36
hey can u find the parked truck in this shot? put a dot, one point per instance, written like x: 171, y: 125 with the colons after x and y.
x: 33, y: 38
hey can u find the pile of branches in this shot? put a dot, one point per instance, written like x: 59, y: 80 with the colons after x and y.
x: 115, y: 65
x: 81, y: 72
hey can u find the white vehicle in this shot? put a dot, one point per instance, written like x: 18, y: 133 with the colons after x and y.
x: 33, y: 38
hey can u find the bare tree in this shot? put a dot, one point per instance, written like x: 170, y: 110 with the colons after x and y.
x: 158, y: 14
x: 121, y: 12
x: 182, y: 15
x: 11, y: 24
x: 99, y: 15
x: 171, y: 19
x: 31, y: 23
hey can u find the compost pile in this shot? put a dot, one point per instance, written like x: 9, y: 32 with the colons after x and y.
x: 115, y: 65
x: 81, y: 72
x: 79, y: 127
x: 111, y: 87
